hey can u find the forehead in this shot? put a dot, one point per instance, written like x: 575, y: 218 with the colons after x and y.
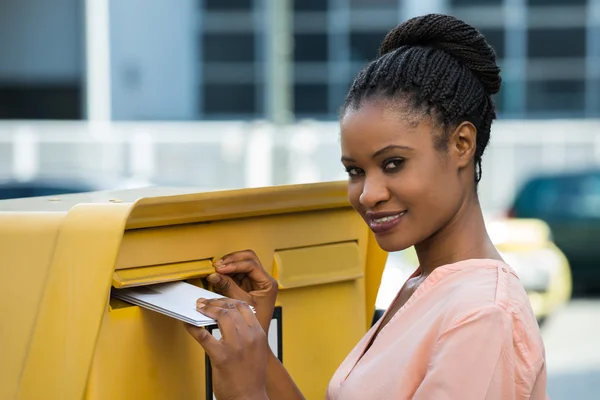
x: 376, y: 124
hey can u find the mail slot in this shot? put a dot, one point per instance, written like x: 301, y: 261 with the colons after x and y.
x: 61, y: 258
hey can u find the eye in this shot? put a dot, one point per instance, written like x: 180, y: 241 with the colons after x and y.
x: 353, y: 171
x: 393, y: 164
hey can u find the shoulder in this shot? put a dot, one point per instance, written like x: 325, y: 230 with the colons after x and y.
x: 488, y: 293
x: 482, y: 283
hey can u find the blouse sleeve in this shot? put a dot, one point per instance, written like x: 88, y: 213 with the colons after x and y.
x: 473, y: 359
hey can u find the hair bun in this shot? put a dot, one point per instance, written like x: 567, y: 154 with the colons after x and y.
x: 455, y: 37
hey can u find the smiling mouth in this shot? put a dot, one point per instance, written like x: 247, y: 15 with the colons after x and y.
x: 387, y: 219
x: 383, y: 220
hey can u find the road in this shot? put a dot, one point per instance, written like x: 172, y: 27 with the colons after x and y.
x: 572, y: 339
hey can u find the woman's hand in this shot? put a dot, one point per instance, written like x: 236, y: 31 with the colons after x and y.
x: 241, y: 276
x: 239, y: 359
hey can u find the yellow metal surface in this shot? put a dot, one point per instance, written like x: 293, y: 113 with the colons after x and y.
x: 21, y: 287
x: 375, y: 262
x: 161, y: 273
x: 297, y: 267
x: 61, y: 256
x: 76, y: 290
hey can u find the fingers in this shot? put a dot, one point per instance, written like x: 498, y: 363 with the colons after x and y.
x: 227, y: 314
x: 239, y: 256
x: 226, y: 286
x: 247, y: 266
x: 248, y: 315
x: 245, y: 262
x: 206, y: 340
x: 212, y: 306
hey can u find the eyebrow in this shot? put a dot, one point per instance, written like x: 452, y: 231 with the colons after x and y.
x: 379, y: 152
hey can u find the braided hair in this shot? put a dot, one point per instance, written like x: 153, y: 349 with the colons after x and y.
x: 440, y: 67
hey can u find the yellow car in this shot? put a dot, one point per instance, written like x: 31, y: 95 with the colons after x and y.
x: 525, y: 244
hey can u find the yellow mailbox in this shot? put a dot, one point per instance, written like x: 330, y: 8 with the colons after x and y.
x: 64, y: 337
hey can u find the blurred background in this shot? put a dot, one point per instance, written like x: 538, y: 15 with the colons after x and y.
x: 218, y: 94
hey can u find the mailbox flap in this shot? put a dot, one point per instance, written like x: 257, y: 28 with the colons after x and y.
x: 316, y: 265
x: 161, y: 273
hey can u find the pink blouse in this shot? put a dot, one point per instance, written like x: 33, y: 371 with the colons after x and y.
x: 467, y: 332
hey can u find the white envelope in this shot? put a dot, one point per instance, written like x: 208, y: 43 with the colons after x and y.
x: 175, y: 299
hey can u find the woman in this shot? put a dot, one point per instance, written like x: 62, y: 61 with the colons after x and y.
x: 414, y: 127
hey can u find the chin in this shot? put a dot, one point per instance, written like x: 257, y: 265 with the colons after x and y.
x: 392, y: 243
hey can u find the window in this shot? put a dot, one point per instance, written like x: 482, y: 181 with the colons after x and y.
x: 589, y: 202
x: 568, y: 42
x: 227, y: 99
x: 556, y: 95
x: 495, y: 37
x: 310, y: 22
x: 556, y: 2
x: 568, y: 196
x: 41, y: 101
x: 310, y: 47
x: 310, y: 5
x: 541, y: 197
x: 229, y: 47
x: 370, y: 4
x: 338, y: 97
x: 364, y: 46
x: 510, y: 98
x: 475, y: 2
x: 593, y: 86
x: 228, y: 5
x: 311, y: 99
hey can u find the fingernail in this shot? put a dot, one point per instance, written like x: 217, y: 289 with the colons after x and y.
x: 200, y: 303
x: 214, y: 278
x: 220, y: 266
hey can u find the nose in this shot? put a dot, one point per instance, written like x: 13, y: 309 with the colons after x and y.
x: 374, y: 192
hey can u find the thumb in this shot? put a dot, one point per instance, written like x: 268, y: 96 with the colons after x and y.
x: 226, y: 286
x: 206, y: 340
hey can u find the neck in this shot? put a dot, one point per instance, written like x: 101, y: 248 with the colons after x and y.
x: 464, y: 237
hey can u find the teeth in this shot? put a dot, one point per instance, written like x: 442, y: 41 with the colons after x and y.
x: 386, y: 219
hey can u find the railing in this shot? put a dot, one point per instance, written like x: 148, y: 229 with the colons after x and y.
x: 235, y: 154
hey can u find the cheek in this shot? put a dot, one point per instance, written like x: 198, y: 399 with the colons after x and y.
x: 441, y: 193
x: 426, y: 188
x: 411, y: 187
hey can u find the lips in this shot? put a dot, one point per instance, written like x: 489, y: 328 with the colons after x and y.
x: 384, y: 222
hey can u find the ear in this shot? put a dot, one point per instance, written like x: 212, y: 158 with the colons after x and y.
x: 463, y: 143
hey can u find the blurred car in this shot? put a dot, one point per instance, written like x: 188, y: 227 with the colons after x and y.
x: 17, y: 190
x: 13, y: 189
x: 526, y: 245
x: 570, y: 204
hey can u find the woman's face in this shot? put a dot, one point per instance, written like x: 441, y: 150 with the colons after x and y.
x: 404, y: 188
